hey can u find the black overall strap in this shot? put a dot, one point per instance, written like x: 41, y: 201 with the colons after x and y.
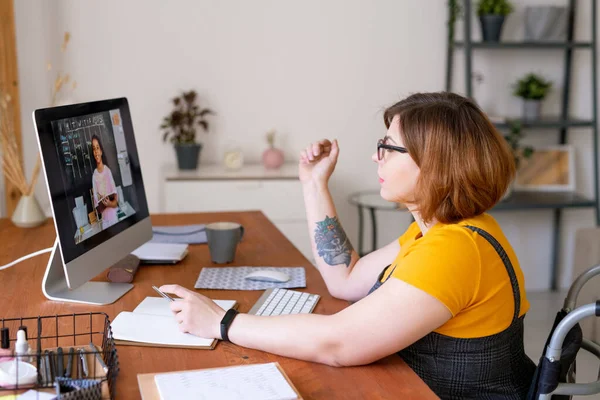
x: 507, y: 264
x: 382, y: 273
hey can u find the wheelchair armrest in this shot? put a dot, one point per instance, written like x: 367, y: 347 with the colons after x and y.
x: 581, y: 389
x: 577, y: 285
x: 554, y: 350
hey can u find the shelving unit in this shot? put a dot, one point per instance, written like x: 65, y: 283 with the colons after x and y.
x: 527, y: 45
x: 529, y: 200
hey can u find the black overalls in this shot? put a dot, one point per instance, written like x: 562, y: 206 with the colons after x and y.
x: 491, y: 367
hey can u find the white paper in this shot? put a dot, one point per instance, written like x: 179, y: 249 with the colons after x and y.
x: 160, y: 306
x: 156, y: 329
x: 257, y: 381
x: 152, y: 321
x: 35, y: 395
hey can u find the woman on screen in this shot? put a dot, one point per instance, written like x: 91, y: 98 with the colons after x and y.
x: 104, y: 188
x: 448, y: 295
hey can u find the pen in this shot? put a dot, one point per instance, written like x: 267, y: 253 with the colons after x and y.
x: 42, y: 369
x: 46, y: 369
x: 99, y: 358
x: 60, y: 368
x: 163, y: 294
x: 47, y: 366
x: 83, y: 363
x: 69, y: 363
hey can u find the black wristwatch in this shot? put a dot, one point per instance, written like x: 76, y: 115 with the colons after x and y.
x: 226, y: 323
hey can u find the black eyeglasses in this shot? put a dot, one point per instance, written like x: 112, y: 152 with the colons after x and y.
x: 382, y: 146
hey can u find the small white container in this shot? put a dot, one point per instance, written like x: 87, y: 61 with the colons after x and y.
x: 17, y: 372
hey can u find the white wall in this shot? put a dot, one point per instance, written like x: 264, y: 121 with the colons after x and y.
x: 310, y: 69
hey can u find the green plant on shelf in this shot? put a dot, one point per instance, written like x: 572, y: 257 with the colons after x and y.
x: 180, y: 124
x: 494, y: 7
x: 455, y: 11
x: 513, y: 138
x: 532, y: 87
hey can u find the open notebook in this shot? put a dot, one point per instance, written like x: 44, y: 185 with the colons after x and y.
x: 253, y: 381
x: 152, y: 324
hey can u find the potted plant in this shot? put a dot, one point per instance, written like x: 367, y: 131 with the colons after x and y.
x: 180, y: 128
x: 533, y: 89
x: 491, y: 15
x: 513, y: 138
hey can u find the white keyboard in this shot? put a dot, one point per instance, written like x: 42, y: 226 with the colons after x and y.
x: 278, y: 301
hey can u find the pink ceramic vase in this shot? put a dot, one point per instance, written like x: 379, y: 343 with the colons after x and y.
x: 272, y: 158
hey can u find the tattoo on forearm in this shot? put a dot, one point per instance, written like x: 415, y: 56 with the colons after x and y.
x: 332, y: 243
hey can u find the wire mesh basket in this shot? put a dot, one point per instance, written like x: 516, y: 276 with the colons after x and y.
x: 74, y: 351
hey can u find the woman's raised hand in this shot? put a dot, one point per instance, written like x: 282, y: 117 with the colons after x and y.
x: 318, y: 161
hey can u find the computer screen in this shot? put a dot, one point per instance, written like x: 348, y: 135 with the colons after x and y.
x: 95, y: 167
x: 93, y: 171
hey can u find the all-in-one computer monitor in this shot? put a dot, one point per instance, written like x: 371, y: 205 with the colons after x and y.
x: 94, y: 179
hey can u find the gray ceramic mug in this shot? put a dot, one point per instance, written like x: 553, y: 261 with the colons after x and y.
x: 223, y: 238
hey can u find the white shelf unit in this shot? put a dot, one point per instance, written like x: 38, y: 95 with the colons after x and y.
x: 212, y: 188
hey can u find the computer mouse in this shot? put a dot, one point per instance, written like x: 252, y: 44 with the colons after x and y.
x: 268, y: 276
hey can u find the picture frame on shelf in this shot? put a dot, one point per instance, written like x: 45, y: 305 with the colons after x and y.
x: 548, y: 169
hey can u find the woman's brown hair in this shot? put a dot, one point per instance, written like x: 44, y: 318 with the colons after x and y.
x: 466, y: 165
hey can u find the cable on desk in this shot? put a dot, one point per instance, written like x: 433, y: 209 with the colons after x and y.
x: 37, y: 253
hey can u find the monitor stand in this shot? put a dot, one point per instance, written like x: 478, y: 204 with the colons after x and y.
x: 55, y: 285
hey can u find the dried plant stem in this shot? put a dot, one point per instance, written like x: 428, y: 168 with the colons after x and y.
x: 10, y: 152
x: 11, y: 156
x: 10, y: 161
x: 10, y: 149
x: 12, y: 177
x: 19, y: 165
x: 34, y: 176
x: 56, y: 89
x: 9, y: 172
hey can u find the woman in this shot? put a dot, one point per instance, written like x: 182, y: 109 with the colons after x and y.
x: 103, y: 184
x: 452, y: 299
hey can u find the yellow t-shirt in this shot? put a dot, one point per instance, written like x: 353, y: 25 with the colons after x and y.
x: 462, y: 270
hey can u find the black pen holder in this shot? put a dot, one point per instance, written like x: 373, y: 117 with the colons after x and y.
x: 61, y: 346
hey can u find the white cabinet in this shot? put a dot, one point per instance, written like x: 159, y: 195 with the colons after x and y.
x: 210, y: 188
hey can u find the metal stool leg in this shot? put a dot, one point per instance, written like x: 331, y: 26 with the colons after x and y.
x: 360, y: 231
x: 374, y: 232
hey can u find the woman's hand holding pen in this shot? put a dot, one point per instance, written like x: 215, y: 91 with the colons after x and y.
x: 196, y: 314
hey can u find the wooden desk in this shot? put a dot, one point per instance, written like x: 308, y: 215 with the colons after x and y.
x: 21, y: 295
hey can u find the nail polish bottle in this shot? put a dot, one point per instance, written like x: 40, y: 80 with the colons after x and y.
x: 22, y: 347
